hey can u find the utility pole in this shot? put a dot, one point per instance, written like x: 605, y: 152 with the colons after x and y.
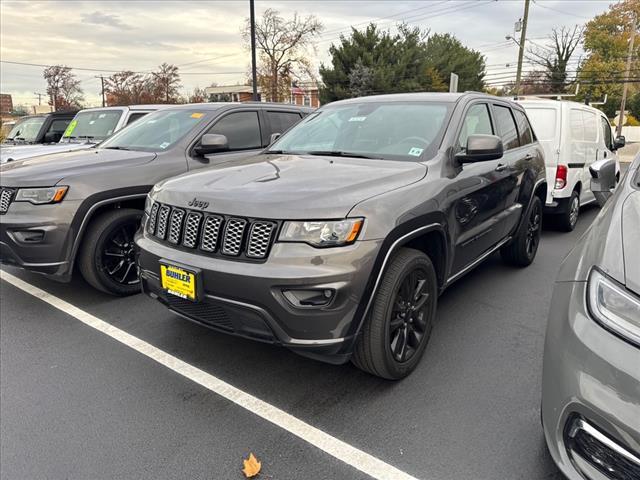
x: 40, y: 95
x: 102, y: 83
x: 523, y: 36
x: 623, y: 102
x: 254, y: 74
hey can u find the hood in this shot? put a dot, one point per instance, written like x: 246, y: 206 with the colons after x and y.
x: 289, y: 187
x: 9, y: 153
x: 631, y: 241
x: 47, y: 170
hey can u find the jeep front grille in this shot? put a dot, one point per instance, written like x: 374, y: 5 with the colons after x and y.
x: 213, y: 234
x: 6, y: 196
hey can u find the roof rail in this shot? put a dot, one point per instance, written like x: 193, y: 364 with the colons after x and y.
x: 557, y: 96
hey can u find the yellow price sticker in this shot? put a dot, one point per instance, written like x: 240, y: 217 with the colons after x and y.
x: 70, y: 128
x: 197, y: 115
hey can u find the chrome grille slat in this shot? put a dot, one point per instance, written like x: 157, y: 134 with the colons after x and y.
x: 233, y: 233
x: 175, y: 226
x: 153, y: 218
x: 210, y: 233
x: 163, y: 221
x: 6, y: 195
x: 260, y: 239
x: 191, y: 229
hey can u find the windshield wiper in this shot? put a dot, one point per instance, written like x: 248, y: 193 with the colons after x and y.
x: 278, y: 152
x: 117, y: 148
x: 340, y: 153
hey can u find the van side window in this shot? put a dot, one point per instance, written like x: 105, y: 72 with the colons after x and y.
x: 242, y: 130
x: 524, y: 129
x: 476, y: 121
x: 606, y: 133
x: 506, y: 127
x: 590, y: 126
x: 135, y: 116
x: 576, y: 125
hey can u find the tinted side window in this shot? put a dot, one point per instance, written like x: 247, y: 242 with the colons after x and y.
x: 242, y: 130
x: 476, y: 121
x: 606, y: 133
x: 58, y: 126
x: 135, y: 116
x: 282, y: 121
x: 506, y: 127
x: 524, y: 129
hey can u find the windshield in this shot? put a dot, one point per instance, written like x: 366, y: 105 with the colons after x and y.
x: 157, y: 131
x: 93, y: 126
x: 26, y: 130
x: 387, y: 130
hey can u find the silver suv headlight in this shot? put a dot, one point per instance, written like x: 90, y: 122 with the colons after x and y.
x: 614, y: 307
x: 322, y: 233
x: 39, y: 196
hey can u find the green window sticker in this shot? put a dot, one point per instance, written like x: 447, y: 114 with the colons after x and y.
x: 70, y: 128
x: 416, y: 152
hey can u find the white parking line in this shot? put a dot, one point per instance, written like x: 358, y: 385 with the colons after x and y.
x: 348, y: 454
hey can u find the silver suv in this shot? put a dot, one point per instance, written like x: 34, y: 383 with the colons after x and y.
x: 82, y: 208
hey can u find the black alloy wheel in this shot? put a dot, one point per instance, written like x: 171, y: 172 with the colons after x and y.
x: 534, y: 228
x: 118, y: 255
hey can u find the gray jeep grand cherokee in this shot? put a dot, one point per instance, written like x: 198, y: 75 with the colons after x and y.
x: 83, y: 208
x: 338, y: 239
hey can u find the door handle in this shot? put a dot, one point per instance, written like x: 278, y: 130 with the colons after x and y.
x: 501, y: 167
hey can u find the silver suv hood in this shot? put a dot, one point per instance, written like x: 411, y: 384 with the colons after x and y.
x: 289, y: 186
x: 631, y: 241
x: 9, y: 153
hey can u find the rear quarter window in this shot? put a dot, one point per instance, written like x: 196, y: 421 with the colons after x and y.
x: 544, y: 122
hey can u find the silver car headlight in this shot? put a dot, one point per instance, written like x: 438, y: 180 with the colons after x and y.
x: 322, y: 233
x: 147, y: 204
x: 613, y: 306
x: 39, y: 196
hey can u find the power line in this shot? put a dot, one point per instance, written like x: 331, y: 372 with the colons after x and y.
x: 560, y: 11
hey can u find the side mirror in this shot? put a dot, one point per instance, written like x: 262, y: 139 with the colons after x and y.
x: 274, y: 137
x: 619, y: 142
x: 481, y: 148
x: 603, y: 179
x: 211, y: 143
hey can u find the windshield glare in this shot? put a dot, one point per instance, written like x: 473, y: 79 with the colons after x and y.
x: 388, y: 130
x: 26, y: 130
x: 93, y: 126
x: 156, y: 131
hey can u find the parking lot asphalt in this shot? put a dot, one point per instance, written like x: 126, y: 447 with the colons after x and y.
x: 74, y: 403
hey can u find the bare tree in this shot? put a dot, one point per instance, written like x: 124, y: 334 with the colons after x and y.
x: 282, y: 46
x: 63, y: 87
x: 554, y: 59
x: 127, y: 88
x: 197, y: 96
x: 166, y: 83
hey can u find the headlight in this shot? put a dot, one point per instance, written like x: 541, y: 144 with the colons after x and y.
x: 613, y: 306
x: 321, y: 233
x: 39, y: 196
x: 147, y: 205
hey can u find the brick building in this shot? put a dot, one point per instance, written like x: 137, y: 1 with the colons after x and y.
x: 6, y: 103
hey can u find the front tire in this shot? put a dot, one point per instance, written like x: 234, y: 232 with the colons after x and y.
x: 397, y: 329
x: 521, y: 251
x: 107, y: 257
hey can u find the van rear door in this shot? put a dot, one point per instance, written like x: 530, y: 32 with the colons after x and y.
x: 546, y: 124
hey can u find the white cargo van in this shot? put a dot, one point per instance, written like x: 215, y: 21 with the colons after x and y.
x: 573, y: 136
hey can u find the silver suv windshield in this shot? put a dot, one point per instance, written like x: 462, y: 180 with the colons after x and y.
x: 408, y: 131
x: 26, y: 130
x: 93, y: 126
x: 157, y: 131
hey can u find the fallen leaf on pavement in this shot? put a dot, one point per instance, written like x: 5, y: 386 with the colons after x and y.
x: 251, y: 466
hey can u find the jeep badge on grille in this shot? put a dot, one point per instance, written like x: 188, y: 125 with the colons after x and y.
x: 195, y: 203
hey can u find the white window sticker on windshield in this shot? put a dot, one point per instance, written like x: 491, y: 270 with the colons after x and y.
x: 416, y: 152
x: 357, y: 119
x: 164, y: 145
x: 92, y: 122
x: 102, y: 115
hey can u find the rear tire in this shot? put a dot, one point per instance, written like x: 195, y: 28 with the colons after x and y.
x: 521, y: 251
x: 397, y: 329
x: 567, y: 221
x: 107, y: 258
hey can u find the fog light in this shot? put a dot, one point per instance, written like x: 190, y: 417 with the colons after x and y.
x: 309, y: 297
x: 29, y: 236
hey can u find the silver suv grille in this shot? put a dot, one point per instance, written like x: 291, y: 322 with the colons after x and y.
x: 211, y: 233
x: 6, y: 196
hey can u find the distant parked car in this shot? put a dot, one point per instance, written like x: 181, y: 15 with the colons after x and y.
x: 591, y: 377
x: 573, y: 136
x: 37, y: 129
x: 83, y: 207
x: 89, y: 127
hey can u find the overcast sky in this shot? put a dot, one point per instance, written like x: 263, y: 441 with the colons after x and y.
x: 203, y: 37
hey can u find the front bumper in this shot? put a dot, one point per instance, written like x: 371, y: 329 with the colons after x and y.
x: 248, y: 299
x: 590, y: 393
x: 39, y: 237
